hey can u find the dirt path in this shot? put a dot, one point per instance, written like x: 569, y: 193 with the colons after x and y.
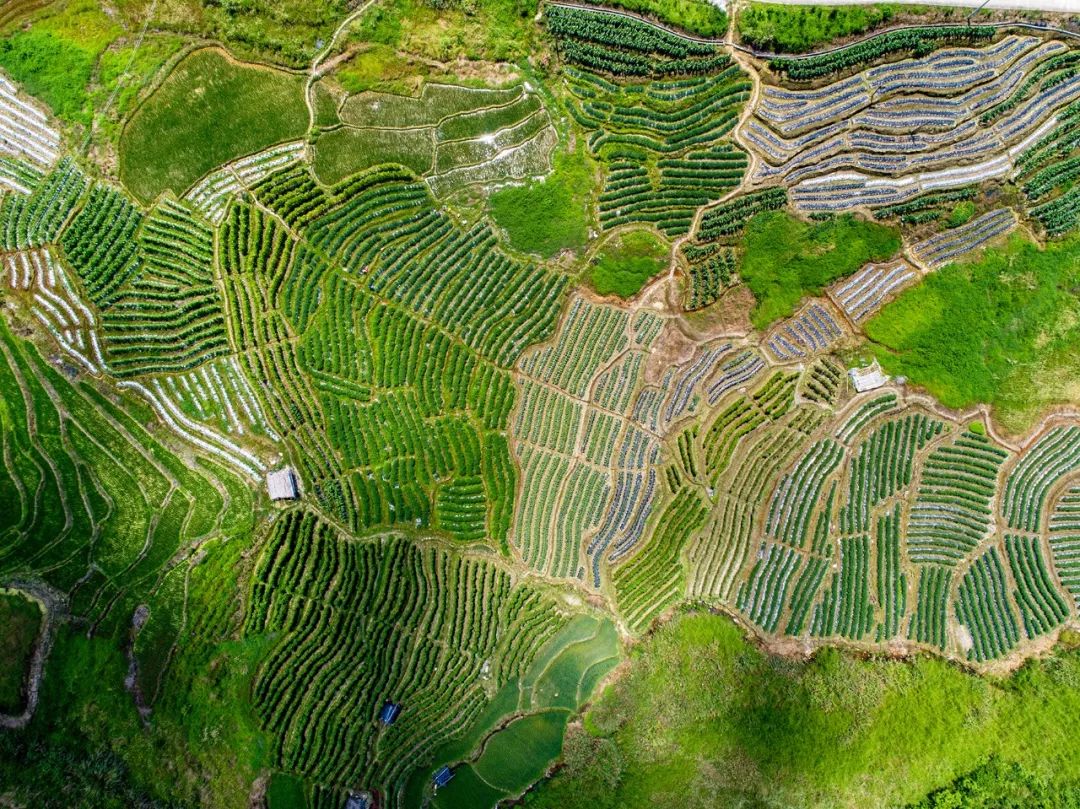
x: 54, y: 609
x: 316, y: 71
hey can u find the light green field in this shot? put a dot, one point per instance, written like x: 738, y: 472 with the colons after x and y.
x: 345, y: 151
x: 705, y: 715
x: 209, y: 110
x: 1009, y: 324
x: 626, y: 263
x: 551, y: 215
x: 784, y: 259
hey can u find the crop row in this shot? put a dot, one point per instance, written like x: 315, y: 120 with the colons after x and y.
x: 423, y: 621
x: 36, y: 219
x: 25, y: 131
x: 951, y: 513
x: 1065, y: 541
x: 891, y: 581
x: 589, y: 337
x: 811, y: 331
x: 822, y: 382
x: 662, y: 141
x: 761, y: 598
x: 709, y: 277
x: 726, y: 220
x: 983, y: 608
x: 745, y: 414
x: 652, y: 578
x: 168, y: 314
x: 930, y: 622
x: 798, y: 491
x: 100, y: 242
x: 846, y: 608
x: 918, y: 41
x: 944, y: 247
x: 625, y: 46
x: 882, y: 466
x: 864, y: 413
x: 1041, y: 606
x: 1054, y: 455
x: 861, y: 295
x: 740, y: 492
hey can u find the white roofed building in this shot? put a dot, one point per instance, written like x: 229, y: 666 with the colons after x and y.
x: 867, y: 378
x: 283, y: 485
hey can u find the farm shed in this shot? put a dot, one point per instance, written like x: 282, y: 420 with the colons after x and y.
x: 389, y: 712
x: 442, y: 776
x: 359, y: 800
x: 282, y: 485
x: 867, y: 378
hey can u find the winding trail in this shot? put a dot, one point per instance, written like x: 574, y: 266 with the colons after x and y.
x: 314, y: 73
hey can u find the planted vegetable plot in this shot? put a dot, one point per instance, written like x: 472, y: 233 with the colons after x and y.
x: 291, y: 419
x: 889, y: 133
x: 454, y: 136
x: 663, y: 141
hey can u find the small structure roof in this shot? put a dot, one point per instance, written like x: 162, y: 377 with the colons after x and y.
x: 359, y: 800
x: 389, y: 712
x: 282, y: 485
x: 867, y: 378
x: 442, y: 776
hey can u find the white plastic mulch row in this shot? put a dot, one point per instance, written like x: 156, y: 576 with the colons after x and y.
x: 866, y: 291
x: 56, y: 305
x: 811, y: 331
x: 944, y: 247
x: 211, y: 194
x: 25, y: 131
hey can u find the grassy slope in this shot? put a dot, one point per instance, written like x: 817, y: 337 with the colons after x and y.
x: 208, y: 111
x: 696, y: 16
x: 1002, y: 329
x: 342, y: 152
x: 491, y: 30
x: 21, y: 619
x: 626, y: 263
x: 797, y: 29
x: 704, y: 715
x: 54, y: 60
x: 550, y: 215
x: 785, y: 259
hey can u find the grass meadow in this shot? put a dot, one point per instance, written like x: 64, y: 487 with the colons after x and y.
x: 785, y: 259
x: 1001, y: 329
x: 703, y: 718
x: 626, y: 263
x: 208, y: 111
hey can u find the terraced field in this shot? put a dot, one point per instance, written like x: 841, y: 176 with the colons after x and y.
x: 503, y: 479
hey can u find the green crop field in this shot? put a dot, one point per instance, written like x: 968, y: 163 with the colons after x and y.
x: 208, y: 111
x: 448, y: 404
